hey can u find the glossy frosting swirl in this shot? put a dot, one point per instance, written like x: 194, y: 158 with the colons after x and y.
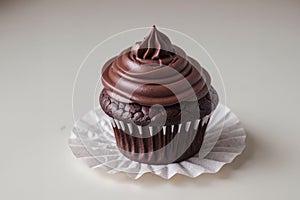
x: 155, y: 72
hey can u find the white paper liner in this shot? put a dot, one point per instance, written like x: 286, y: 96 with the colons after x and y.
x: 93, y: 142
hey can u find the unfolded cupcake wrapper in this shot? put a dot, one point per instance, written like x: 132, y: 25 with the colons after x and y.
x: 93, y: 142
x: 159, y: 144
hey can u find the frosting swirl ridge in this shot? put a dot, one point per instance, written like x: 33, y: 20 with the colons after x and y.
x: 155, y: 72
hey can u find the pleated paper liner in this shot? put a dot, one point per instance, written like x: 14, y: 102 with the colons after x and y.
x: 92, y: 141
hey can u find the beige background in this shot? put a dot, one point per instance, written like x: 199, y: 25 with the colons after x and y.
x: 42, y: 43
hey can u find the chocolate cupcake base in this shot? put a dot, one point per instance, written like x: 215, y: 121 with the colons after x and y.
x: 160, y: 144
x: 141, y: 137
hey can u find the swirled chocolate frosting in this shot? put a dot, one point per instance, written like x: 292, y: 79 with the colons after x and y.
x: 154, y: 71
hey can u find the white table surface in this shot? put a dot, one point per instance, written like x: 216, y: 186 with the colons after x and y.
x: 256, y: 45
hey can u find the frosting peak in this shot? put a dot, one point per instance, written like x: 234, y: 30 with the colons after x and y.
x: 155, y: 46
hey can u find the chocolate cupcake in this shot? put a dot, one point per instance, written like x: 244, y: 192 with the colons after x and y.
x: 159, y: 101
